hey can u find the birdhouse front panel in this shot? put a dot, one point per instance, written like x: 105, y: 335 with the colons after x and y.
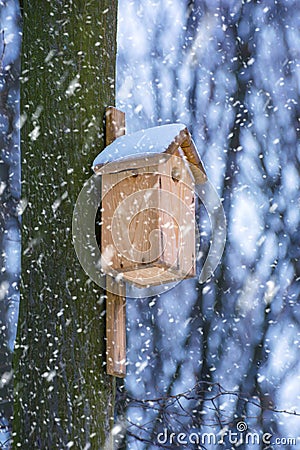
x: 148, y: 210
x: 126, y: 227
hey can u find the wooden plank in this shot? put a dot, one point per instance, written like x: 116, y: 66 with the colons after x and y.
x: 115, y: 303
x: 178, y: 228
x: 152, y: 276
x: 116, y: 328
x: 127, y: 244
x: 114, y: 124
x: 131, y: 163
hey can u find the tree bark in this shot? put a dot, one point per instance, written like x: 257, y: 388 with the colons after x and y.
x: 63, y: 398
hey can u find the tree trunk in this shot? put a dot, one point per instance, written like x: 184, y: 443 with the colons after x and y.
x: 63, y: 398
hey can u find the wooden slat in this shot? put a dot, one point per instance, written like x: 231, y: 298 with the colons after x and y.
x: 115, y: 303
x: 116, y: 328
x: 115, y: 124
x: 152, y: 276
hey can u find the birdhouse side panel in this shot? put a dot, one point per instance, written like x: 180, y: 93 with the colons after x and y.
x: 177, y: 216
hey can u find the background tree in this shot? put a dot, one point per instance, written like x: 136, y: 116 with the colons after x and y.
x: 9, y: 203
x: 63, y: 398
x: 229, y: 70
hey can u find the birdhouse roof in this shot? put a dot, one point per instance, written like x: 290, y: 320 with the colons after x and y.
x: 131, y: 150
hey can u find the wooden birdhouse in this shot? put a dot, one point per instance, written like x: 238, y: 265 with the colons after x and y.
x: 148, y: 205
x: 147, y: 217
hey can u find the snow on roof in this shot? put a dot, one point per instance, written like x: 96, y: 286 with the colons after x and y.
x: 150, y: 142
